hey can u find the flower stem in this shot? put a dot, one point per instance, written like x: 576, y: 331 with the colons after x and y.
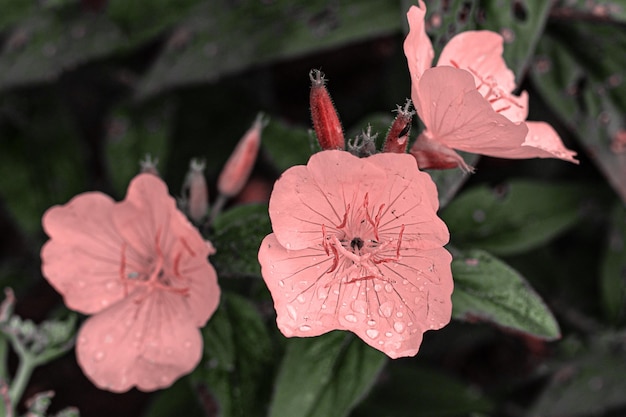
x: 22, y: 376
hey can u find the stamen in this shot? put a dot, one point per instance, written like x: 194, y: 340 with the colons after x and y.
x: 345, y: 218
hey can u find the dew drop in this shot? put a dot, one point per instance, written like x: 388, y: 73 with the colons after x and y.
x: 291, y: 310
x: 281, y: 283
x: 351, y: 318
x: 399, y: 314
x: 359, y: 306
x: 98, y: 356
x: 305, y: 328
x: 110, y: 285
x: 398, y: 326
x: 81, y: 284
x: 405, y: 282
x: 386, y: 309
x: 187, y: 344
x: 388, y: 287
x: 301, y: 299
x: 164, y: 379
x: 104, y: 303
x: 322, y: 293
x: 288, y: 246
x: 388, y: 334
x: 373, y: 333
x: 378, y: 287
x: 371, y: 322
x: 82, y: 340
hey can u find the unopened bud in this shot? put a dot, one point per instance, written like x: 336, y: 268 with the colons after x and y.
x: 398, y: 135
x: 149, y: 165
x: 325, y: 119
x: 237, y: 170
x: 195, y: 188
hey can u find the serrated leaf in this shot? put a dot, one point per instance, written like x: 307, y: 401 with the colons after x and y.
x: 218, y: 39
x: 613, y: 268
x: 324, y: 376
x: 237, y: 360
x: 513, y: 218
x: 51, y: 41
x: 487, y: 289
x: 418, y: 391
x: 580, y: 71
x: 237, y: 237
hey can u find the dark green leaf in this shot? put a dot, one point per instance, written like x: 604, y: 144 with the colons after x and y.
x: 237, y: 362
x: 177, y: 400
x: 613, y: 268
x: 591, y: 383
x: 238, y: 236
x: 485, y: 288
x: 285, y: 145
x: 45, y: 44
x: 410, y: 391
x: 580, y: 71
x: 218, y: 39
x: 513, y: 218
x: 324, y: 376
x: 134, y: 134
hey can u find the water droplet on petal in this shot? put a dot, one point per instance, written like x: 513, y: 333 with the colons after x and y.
x: 110, y: 285
x: 388, y: 287
x: 81, y: 284
x: 187, y: 344
x: 386, y: 309
x: 378, y: 287
x: 305, y: 328
x: 292, y: 312
x: 351, y: 318
x: 388, y: 334
x: 373, y: 333
x: 82, y: 340
x: 301, y: 299
x: 98, y: 356
x: 359, y: 306
x: 371, y: 322
x: 398, y: 326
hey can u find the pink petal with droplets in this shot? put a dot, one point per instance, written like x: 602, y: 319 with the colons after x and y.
x: 144, y: 341
x: 457, y: 115
x: 82, y: 258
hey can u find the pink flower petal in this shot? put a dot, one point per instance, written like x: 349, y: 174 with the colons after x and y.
x: 479, y: 52
x: 143, y: 341
x: 457, y: 115
x: 542, y: 141
x: 203, y: 295
x: 417, y: 46
x: 82, y: 258
x: 366, y: 251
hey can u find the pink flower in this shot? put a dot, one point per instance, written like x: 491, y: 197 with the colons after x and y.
x: 141, y: 269
x: 357, y: 245
x: 457, y: 118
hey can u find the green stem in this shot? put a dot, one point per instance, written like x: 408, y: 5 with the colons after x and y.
x: 22, y: 376
x: 4, y: 351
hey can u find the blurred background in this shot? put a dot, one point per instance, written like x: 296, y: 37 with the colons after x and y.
x: 88, y: 88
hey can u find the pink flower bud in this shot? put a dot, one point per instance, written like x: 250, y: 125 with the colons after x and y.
x: 237, y: 170
x: 398, y: 135
x: 325, y: 119
x: 195, y: 184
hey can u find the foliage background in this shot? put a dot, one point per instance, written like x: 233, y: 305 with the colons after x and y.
x: 87, y: 88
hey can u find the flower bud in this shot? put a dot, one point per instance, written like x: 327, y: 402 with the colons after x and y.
x: 325, y: 119
x: 237, y: 170
x: 197, y: 202
x: 398, y: 135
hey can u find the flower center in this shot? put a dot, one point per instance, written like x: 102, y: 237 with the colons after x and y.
x: 355, y: 245
x: 157, y: 273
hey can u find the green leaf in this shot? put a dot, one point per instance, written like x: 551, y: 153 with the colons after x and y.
x: 417, y: 391
x: 613, y: 268
x: 135, y: 133
x: 513, y: 218
x: 485, y: 288
x: 591, y: 383
x: 177, y: 400
x: 218, y: 39
x: 238, y: 235
x: 238, y: 354
x: 285, y: 145
x: 52, y: 41
x: 324, y: 376
x: 580, y: 71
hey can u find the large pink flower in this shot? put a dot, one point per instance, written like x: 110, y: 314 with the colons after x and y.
x: 491, y: 122
x: 357, y: 245
x: 142, y: 270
